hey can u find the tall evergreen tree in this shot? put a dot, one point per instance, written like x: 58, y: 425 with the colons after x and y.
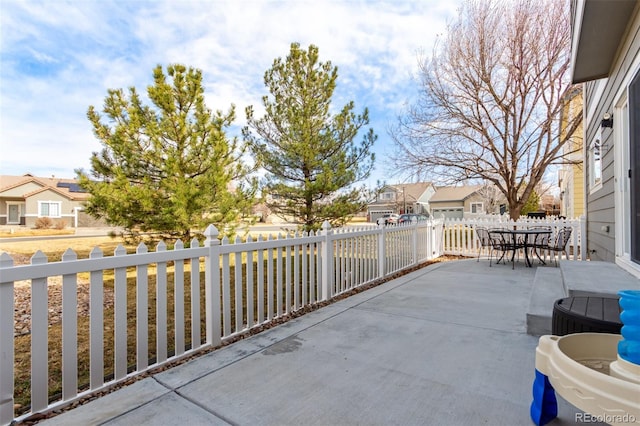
x: 310, y: 157
x: 170, y: 167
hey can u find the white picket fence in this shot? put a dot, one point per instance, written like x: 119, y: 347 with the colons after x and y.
x: 245, y: 285
x: 459, y: 238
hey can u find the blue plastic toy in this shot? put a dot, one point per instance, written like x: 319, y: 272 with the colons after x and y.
x: 629, y: 346
x: 544, y: 406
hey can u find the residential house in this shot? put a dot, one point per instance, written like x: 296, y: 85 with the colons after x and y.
x: 550, y: 205
x: 571, y: 175
x: 24, y: 199
x: 458, y: 202
x: 401, y: 198
x: 606, y: 58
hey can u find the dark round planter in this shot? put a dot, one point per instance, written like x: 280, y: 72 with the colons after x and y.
x: 586, y: 314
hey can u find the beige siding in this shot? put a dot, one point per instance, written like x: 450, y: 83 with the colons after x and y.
x: 67, y: 212
x: 19, y: 191
x: 447, y: 204
x: 473, y: 199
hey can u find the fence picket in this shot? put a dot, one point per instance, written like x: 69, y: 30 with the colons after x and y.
x: 270, y: 282
x: 305, y: 253
x: 250, y: 286
x: 288, y: 283
x: 142, y: 312
x: 96, y: 324
x: 238, y: 290
x: 39, y: 338
x: 7, y: 355
x: 194, y: 263
x: 226, y: 291
x: 296, y: 277
x: 260, y: 283
x: 279, y: 279
x: 178, y: 305
x: 69, y: 330
x: 120, y: 316
x: 161, y: 307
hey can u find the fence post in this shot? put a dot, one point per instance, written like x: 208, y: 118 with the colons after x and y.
x: 382, y: 254
x: 327, y: 262
x: 583, y: 237
x: 6, y: 345
x: 414, y: 244
x: 212, y: 286
x: 440, y: 237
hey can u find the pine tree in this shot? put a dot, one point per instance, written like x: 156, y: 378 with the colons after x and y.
x: 168, y: 168
x: 311, y: 160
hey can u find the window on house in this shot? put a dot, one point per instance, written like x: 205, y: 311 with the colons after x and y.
x: 595, y: 161
x: 477, y: 208
x: 49, y: 209
x: 386, y: 196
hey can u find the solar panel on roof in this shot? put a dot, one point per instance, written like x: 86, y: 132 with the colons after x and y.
x: 71, y: 186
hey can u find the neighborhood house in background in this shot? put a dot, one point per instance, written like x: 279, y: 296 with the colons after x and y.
x: 571, y: 174
x: 459, y: 202
x: 25, y: 199
x: 401, y: 199
x: 427, y: 199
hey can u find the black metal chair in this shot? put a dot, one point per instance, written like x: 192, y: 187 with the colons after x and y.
x: 560, y: 244
x: 541, y: 241
x: 501, y: 241
x: 484, y: 239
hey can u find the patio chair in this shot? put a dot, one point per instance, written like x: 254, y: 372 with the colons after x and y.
x: 559, y: 246
x: 501, y: 241
x: 541, y: 241
x: 484, y: 239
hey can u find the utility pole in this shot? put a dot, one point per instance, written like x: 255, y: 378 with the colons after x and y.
x: 404, y: 200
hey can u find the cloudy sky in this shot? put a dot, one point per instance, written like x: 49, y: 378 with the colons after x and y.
x: 59, y: 57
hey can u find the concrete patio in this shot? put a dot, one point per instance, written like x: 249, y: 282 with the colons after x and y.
x: 444, y: 345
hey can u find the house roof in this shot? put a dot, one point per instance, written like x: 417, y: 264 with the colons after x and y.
x: 412, y: 191
x: 597, y: 30
x: 454, y: 193
x: 66, y: 187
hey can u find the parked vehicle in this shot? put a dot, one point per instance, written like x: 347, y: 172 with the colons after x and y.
x: 408, y: 218
x: 388, y: 219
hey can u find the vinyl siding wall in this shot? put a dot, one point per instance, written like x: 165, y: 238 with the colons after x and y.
x: 601, y: 202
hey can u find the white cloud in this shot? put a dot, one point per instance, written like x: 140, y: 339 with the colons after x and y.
x: 59, y: 58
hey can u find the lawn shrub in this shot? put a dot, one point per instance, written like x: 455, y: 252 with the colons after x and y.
x: 43, y: 223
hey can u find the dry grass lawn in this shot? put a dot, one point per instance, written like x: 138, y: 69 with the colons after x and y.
x: 6, y: 232
x: 54, y: 248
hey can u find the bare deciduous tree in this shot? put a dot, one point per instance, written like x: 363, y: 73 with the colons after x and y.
x: 491, y: 99
x: 492, y: 198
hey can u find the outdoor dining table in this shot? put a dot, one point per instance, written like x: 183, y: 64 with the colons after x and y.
x: 528, y: 240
